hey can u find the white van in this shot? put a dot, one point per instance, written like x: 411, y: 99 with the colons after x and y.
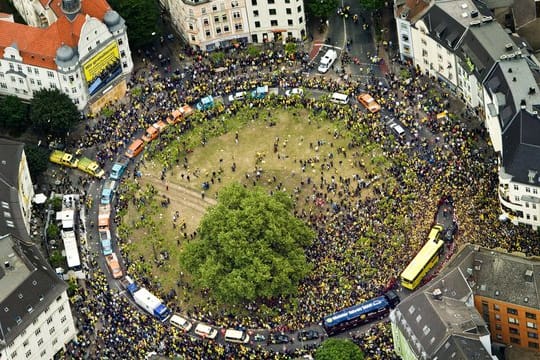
x: 398, y: 129
x: 205, y: 331
x: 339, y: 98
x: 180, y: 322
x: 236, y: 336
x: 327, y: 60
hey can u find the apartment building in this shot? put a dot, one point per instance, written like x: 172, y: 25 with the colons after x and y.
x: 213, y: 24
x: 459, y: 43
x: 35, y: 316
x: 80, y: 48
x: 484, y: 296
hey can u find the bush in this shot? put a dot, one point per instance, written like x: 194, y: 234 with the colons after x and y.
x: 53, y: 232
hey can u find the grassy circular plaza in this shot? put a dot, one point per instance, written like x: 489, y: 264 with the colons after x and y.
x: 369, y: 198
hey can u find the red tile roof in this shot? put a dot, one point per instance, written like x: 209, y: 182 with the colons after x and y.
x: 38, y: 46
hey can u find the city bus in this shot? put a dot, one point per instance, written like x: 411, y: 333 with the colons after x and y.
x: 71, y: 250
x: 424, y: 261
x: 360, y: 314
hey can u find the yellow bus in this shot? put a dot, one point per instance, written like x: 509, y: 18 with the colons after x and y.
x: 424, y: 261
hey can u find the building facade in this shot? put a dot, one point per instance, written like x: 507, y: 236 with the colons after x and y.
x: 214, y: 24
x: 459, y: 43
x: 80, y: 48
x: 493, y: 293
x: 35, y: 320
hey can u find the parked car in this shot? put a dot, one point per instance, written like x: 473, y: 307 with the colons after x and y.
x: 279, y: 338
x: 259, y: 337
x: 237, y: 96
x: 181, y: 322
x: 306, y: 335
x: 327, y: 61
x: 294, y: 91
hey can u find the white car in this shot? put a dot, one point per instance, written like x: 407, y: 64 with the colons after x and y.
x: 181, y: 323
x: 327, y: 61
x: 237, y: 96
x: 294, y: 91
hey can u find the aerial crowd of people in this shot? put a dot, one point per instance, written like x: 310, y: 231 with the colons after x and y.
x: 361, y: 243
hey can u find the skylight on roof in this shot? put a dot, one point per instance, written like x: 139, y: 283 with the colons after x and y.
x: 10, y: 223
x: 5, y: 205
x: 464, y: 6
x: 411, y: 309
x: 418, y: 318
x: 426, y: 330
x: 7, y: 214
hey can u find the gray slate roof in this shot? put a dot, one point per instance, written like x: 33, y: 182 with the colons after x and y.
x: 442, y: 327
x: 28, y: 286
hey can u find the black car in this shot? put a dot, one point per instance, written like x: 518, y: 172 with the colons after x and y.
x: 279, y: 338
x: 306, y: 335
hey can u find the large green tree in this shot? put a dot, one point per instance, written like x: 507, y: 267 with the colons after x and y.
x: 38, y: 160
x: 373, y: 4
x: 14, y: 117
x: 321, y: 9
x: 53, y: 113
x: 251, y: 246
x: 143, y: 20
x: 338, y: 349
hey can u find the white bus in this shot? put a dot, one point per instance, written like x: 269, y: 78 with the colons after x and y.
x: 71, y: 249
x: 339, y: 98
x: 236, y: 336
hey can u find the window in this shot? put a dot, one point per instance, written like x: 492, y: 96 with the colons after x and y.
x: 535, y: 191
x: 288, y: 11
x: 532, y: 335
x: 214, y: 7
x: 226, y: 28
x: 272, y: 11
x: 71, y: 79
x: 234, y: 3
x: 290, y: 22
x: 54, y: 341
x: 36, y: 71
x: 51, y: 330
x: 511, y: 311
x: 300, y: 20
x: 287, y: 1
x: 25, y: 343
x: 498, y: 327
x: 192, y: 39
x: 499, y: 337
x: 255, y: 13
x: 1, y: 74
x: 299, y: 9
x: 3, y: 85
x: 257, y: 24
x: 514, y: 331
x: 512, y: 320
x: 42, y: 354
x: 28, y: 353
x: 19, y: 67
x: 218, y: 30
x: 120, y: 41
x: 270, y: 2
x: 40, y: 341
x: 497, y: 317
x: 254, y: 2
x: 203, y: 11
x: 529, y: 315
x: 49, y: 320
x: 207, y: 33
x: 12, y: 78
x: 37, y: 332
x: 13, y: 354
x: 190, y: 26
x: 533, y: 345
x: 224, y: 18
x: 273, y: 23
x: 236, y: 15
x: 496, y: 307
x: 66, y: 330
x: 527, y: 189
x: 63, y: 320
x: 514, y: 340
x: 237, y: 27
x: 206, y: 22
x: 216, y: 19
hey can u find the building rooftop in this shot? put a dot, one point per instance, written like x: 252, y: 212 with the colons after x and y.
x: 38, y: 45
x: 28, y: 286
x: 440, y: 320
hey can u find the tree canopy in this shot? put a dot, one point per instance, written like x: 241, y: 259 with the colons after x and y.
x: 53, y: 113
x: 372, y: 4
x: 338, y: 349
x: 38, y: 160
x: 14, y: 117
x: 321, y: 9
x: 142, y: 19
x: 250, y: 246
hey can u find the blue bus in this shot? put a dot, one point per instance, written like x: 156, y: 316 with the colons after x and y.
x: 360, y: 314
